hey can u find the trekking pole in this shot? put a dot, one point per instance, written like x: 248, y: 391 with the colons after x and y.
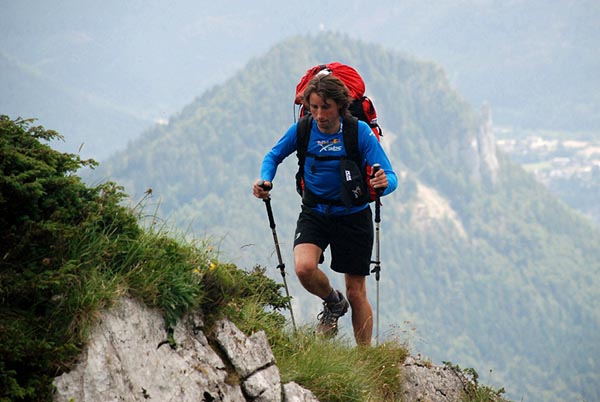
x: 377, y: 268
x: 281, y: 265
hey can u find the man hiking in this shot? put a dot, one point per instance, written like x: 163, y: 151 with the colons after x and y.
x: 325, y: 219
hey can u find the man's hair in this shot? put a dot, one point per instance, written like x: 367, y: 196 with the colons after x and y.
x: 329, y: 87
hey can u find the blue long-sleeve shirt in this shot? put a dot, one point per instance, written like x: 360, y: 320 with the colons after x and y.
x: 322, y: 177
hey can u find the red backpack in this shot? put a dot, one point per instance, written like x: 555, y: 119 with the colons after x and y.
x: 361, y: 106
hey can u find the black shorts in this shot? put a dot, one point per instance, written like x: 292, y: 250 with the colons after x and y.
x: 350, y: 238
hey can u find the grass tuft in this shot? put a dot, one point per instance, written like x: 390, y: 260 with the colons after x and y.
x: 334, y: 370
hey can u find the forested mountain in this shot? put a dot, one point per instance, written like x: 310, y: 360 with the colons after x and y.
x: 481, y: 266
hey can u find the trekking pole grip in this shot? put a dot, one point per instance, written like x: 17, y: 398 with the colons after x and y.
x: 267, y: 201
x: 376, y: 167
x: 264, y: 185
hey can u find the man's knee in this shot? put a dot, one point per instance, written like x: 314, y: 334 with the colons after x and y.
x: 306, y: 260
x: 356, y: 295
x: 305, y: 268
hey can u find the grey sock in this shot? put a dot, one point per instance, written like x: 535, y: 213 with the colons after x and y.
x: 333, y: 297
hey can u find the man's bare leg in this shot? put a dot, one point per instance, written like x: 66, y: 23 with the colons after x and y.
x: 362, y: 313
x: 306, y: 264
x: 335, y: 305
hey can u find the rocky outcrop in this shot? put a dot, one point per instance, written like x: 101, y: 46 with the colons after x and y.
x: 428, y: 383
x: 129, y: 358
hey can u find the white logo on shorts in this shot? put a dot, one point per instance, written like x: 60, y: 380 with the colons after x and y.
x: 298, y: 235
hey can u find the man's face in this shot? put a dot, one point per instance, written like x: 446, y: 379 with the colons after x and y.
x: 325, y: 113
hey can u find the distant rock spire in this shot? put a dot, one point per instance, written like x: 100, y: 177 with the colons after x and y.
x: 487, y: 146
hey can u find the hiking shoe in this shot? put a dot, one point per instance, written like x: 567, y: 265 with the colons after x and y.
x: 328, y: 318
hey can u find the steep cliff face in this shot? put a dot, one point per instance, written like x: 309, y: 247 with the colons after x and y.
x: 128, y: 358
x: 487, y: 147
x: 477, y: 150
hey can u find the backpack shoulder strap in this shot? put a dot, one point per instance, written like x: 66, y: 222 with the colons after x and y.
x: 302, y: 137
x: 350, y: 132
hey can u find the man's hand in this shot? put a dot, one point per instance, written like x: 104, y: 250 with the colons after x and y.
x: 261, y: 189
x: 379, y: 180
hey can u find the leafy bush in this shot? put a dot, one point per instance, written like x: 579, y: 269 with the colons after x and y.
x: 45, y: 209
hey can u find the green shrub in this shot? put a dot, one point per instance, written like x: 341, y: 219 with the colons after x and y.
x: 46, y: 210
